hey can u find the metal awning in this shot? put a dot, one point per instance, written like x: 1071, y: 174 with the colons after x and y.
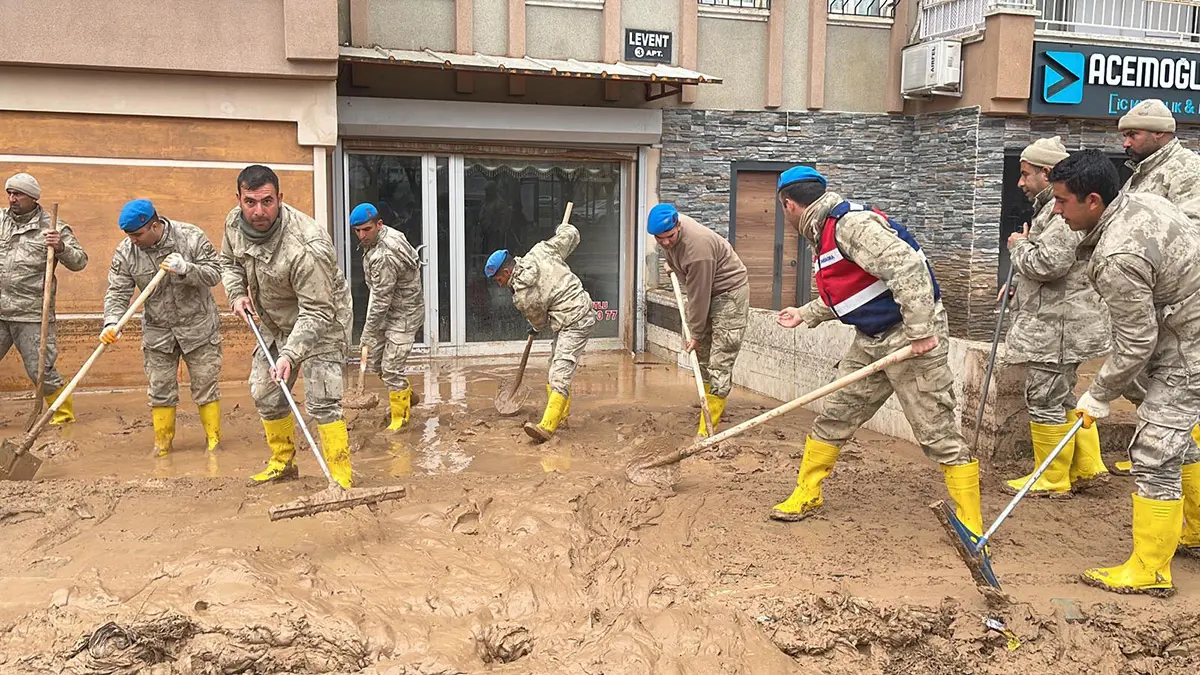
x: 427, y: 58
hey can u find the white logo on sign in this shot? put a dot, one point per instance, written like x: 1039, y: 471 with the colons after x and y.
x: 639, y: 52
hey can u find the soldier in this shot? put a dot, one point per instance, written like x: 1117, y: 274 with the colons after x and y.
x: 548, y: 293
x: 179, y: 319
x: 396, y: 309
x: 279, y: 266
x: 1161, y: 166
x: 718, y: 298
x: 1059, y: 323
x: 873, y: 275
x: 24, y: 236
x: 1143, y: 251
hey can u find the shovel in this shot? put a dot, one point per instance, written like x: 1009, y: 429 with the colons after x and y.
x: 360, y: 399
x: 641, y: 473
x: 335, y: 496
x: 687, y: 337
x: 972, y: 552
x: 510, y: 397
x: 15, y: 461
x: 991, y: 365
x: 47, y: 287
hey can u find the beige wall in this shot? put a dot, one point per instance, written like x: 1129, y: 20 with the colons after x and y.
x: 651, y: 15
x: 560, y: 33
x: 736, y: 51
x: 795, y: 58
x: 856, y: 68
x: 277, y: 38
x: 491, y: 26
x: 412, y: 24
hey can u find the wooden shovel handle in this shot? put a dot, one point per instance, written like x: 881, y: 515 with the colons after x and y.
x: 695, y: 360
x: 362, y: 367
x: 870, y: 369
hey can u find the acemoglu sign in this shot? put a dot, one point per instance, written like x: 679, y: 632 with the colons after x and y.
x: 1079, y: 80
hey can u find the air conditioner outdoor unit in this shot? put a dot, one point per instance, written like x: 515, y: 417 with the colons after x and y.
x: 933, y: 67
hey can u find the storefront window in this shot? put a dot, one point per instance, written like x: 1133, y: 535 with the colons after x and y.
x: 393, y: 183
x: 514, y: 204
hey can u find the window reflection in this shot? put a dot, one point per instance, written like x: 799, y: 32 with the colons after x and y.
x: 514, y: 204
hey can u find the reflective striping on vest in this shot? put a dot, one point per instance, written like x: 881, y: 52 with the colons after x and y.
x: 860, y: 298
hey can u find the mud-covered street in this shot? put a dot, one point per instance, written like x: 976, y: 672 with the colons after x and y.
x: 509, y: 557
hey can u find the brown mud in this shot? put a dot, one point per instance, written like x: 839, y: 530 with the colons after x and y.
x: 511, y: 557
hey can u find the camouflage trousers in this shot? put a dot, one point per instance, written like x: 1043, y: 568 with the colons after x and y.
x: 322, y: 387
x: 162, y: 368
x: 1162, y: 442
x: 923, y: 384
x: 391, y: 360
x: 27, y: 337
x: 1050, y: 391
x: 717, y: 350
x: 566, y: 350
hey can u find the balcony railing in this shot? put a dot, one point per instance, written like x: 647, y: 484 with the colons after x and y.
x: 1165, y: 21
x: 1153, y: 20
x: 883, y: 9
x: 956, y: 18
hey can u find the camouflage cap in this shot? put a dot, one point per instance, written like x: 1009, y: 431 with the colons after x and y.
x: 1149, y: 115
x: 1045, y: 152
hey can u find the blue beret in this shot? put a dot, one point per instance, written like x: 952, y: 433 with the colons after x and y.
x: 363, y: 213
x: 798, y: 174
x: 135, y: 214
x: 663, y: 217
x: 494, y: 262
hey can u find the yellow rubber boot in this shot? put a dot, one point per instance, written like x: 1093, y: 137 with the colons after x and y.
x: 66, y: 412
x: 1087, y: 469
x: 816, y: 465
x: 210, y: 419
x: 401, y: 403
x: 164, y: 428
x: 962, y: 482
x: 335, y: 447
x: 544, y: 430
x: 1055, y: 481
x: 1156, y: 525
x: 281, y: 438
x: 566, y: 408
x: 1189, y: 542
x: 716, y: 406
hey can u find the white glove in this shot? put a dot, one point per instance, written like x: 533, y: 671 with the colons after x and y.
x: 1092, y: 408
x: 176, y: 264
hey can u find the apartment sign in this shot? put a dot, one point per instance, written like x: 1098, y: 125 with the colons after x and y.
x: 653, y: 46
x: 1079, y: 80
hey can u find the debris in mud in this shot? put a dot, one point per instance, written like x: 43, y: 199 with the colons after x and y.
x: 503, y: 643
x: 114, y: 650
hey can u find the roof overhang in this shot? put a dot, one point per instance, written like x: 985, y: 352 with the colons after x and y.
x: 571, y: 68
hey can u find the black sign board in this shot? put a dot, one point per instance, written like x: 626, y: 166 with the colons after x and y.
x: 1081, y: 80
x: 647, y: 45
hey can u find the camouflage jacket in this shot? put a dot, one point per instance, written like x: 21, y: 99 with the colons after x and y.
x: 866, y: 239
x: 1058, y: 318
x: 293, y: 279
x: 181, y: 309
x: 1143, y: 263
x: 545, y: 290
x: 1172, y: 172
x: 396, y: 308
x: 23, y: 263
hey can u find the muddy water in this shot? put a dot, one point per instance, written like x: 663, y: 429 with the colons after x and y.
x: 511, y: 557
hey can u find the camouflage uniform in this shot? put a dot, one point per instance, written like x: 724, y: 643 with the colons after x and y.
x: 179, y: 319
x: 718, y: 349
x: 22, y: 280
x: 396, y: 309
x: 548, y: 293
x: 1060, y: 321
x: 1172, y: 172
x: 1143, y: 254
x: 923, y: 384
x: 303, y: 303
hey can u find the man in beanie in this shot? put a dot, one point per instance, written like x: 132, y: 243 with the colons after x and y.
x: 396, y: 308
x: 872, y: 275
x: 718, y: 299
x: 1142, y: 252
x: 279, y: 266
x: 548, y: 293
x: 1162, y: 166
x: 1059, y: 323
x: 179, y: 319
x: 25, y: 234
